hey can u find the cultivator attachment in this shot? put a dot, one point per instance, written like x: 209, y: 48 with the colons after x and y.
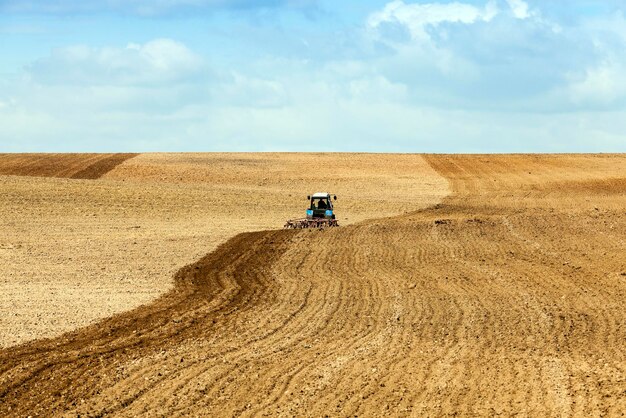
x: 320, y: 213
x: 311, y: 223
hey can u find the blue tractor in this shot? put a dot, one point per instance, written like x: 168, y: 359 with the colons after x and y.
x: 320, y: 213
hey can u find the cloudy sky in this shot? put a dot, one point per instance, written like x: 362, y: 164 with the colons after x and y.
x: 308, y: 75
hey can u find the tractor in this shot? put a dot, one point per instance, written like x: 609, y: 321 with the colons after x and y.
x: 320, y: 214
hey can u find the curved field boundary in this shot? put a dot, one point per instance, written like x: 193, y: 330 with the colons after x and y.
x: 205, y: 295
x: 507, y: 298
x: 74, y: 166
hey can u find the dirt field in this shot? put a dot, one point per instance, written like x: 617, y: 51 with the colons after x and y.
x: 505, y: 298
x: 75, y: 251
x: 73, y: 166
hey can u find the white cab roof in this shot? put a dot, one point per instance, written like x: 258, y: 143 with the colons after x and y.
x: 320, y: 195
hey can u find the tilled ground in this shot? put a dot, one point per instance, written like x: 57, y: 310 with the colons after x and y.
x: 507, y: 297
x: 75, y: 251
x: 74, y: 166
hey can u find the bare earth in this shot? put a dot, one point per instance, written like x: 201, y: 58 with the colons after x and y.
x: 73, y: 166
x: 72, y: 252
x: 505, y: 297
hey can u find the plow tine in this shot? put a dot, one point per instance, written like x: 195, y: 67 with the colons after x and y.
x: 311, y: 223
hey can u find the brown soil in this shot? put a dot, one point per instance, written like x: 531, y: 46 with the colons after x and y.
x: 74, y: 166
x: 72, y: 252
x: 507, y: 298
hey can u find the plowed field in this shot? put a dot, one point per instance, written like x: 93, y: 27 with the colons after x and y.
x: 74, y: 251
x: 506, y: 297
x: 74, y: 166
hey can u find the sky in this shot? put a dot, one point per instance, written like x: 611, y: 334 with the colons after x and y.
x: 464, y: 76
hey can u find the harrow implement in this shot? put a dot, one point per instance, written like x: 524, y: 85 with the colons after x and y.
x: 311, y: 223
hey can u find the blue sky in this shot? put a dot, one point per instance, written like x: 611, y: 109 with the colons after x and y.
x: 307, y: 75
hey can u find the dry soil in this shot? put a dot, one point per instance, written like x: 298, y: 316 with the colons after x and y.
x: 507, y: 297
x: 72, y: 252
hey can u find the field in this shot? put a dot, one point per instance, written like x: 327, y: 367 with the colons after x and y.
x: 457, y: 285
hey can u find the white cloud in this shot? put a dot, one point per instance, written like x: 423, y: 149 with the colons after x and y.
x: 246, y: 91
x: 466, y: 78
x: 157, y: 61
x: 6, y: 103
x: 376, y: 89
x: 167, y: 55
x: 602, y: 85
x: 511, y: 59
x: 417, y: 17
x: 519, y: 8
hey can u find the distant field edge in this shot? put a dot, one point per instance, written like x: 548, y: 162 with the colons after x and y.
x: 88, y: 166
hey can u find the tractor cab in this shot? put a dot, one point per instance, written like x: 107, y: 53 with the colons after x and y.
x: 321, y: 206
